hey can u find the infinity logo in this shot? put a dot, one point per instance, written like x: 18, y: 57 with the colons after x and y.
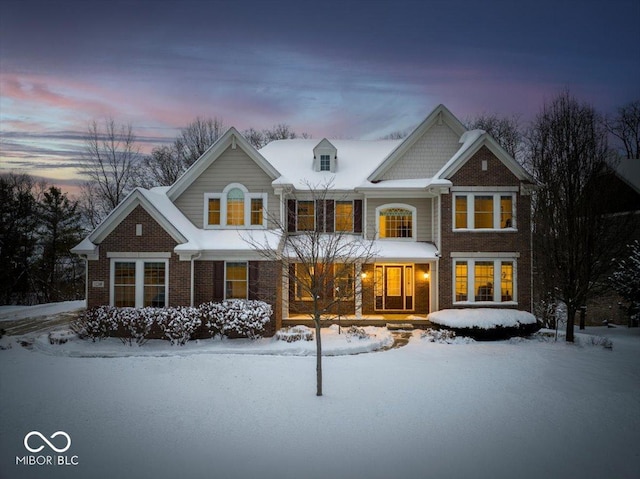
x: 55, y: 434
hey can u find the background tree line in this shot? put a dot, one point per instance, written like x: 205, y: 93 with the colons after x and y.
x: 38, y: 226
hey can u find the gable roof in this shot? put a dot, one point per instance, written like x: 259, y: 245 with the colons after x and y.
x: 160, y: 212
x: 439, y: 114
x: 231, y: 138
x: 472, y: 141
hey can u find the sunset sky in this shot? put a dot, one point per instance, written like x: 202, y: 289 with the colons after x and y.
x: 349, y: 68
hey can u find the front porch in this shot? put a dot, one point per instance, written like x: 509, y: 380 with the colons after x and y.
x: 393, y: 321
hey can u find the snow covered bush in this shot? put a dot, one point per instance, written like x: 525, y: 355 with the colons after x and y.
x: 178, y: 324
x: 294, y: 333
x: 237, y: 317
x: 136, y: 323
x: 213, y: 315
x: 356, y: 332
x: 96, y: 323
x: 438, y: 336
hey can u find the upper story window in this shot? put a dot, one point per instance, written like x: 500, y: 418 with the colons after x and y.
x: 344, y: 216
x: 484, y: 211
x: 396, y: 221
x: 235, y: 207
x: 306, y: 215
x: 325, y: 162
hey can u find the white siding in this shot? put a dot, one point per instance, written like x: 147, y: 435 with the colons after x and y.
x: 427, y: 155
x: 233, y: 166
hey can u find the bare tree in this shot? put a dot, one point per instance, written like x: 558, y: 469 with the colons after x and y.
x: 505, y: 130
x: 111, y: 163
x: 163, y: 166
x: 574, y: 238
x: 625, y: 126
x: 322, y: 267
x: 255, y: 137
x: 196, y: 138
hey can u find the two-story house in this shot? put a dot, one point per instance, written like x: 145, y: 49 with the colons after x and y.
x: 448, y: 210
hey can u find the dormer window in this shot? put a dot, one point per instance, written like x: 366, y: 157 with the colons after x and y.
x: 325, y: 156
x: 325, y: 162
x: 235, y: 207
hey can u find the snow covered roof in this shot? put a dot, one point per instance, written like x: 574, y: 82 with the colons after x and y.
x: 355, y: 161
x: 629, y: 170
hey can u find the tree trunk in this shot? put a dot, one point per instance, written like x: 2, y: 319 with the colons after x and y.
x: 318, y: 358
x: 571, y: 319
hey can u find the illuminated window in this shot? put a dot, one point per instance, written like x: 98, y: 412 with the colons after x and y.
x: 236, y: 280
x: 484, y: 280
x: 461, y: 211
x: 484, y: 211
x: 235, y: 207
x: 395, y: 223
x: 506, y: 211
x: 477, y: 280
x: 506, y: 281
x: 344, y: 281
x: 214, y: 211
x: 256, y: 211
x: 462, y: 285
x: 344, y: 216
x: 304, y: 281
x: 306, y: 216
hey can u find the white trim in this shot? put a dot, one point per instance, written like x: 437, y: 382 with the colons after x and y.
x: 248, y: 196
x: 496, y: 197
x: 137, y: 254
x: 499, y: 254
x: 404, y: 206
x: 139, y: 277
x: 487, y: 189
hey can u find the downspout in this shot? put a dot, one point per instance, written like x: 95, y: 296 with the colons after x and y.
x: 192, y: 288
x: 86, y: 279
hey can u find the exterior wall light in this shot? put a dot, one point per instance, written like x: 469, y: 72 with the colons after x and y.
x: 425, y: 276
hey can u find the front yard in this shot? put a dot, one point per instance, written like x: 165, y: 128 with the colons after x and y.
x: 524, y: 408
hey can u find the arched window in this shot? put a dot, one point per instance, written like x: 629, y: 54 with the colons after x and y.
x: 396, y: 221
x: 235, y: 207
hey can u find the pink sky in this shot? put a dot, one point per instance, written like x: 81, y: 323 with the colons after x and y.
x: 350, y: 69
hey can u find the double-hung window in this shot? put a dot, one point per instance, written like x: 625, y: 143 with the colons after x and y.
x: 484, y: 211
x: 344, y: 216
x: 139, y: 283
x: 236, y: 280
x: 487, y: 280
x: 306, y: 214
x: 235, y: 207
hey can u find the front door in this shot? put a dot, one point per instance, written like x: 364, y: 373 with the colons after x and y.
x: 394, y: 287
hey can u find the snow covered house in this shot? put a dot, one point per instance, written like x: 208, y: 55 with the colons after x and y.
x: 448, y: 210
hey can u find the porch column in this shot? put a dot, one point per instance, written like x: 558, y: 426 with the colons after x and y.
x: 358, y: 291
x: 285, y: 290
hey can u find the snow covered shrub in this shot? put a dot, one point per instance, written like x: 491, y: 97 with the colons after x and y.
x: 356, y: 332
x: 178, y: 324
x: 61, y: 336
x: 136, y: 324
x: 237, y: 317
x: 294, y: 333
x: 438, y: 335
x: 96, y: 323
x: 213, y: 315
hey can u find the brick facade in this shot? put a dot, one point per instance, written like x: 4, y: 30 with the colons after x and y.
x: 496, y: 174
x: 123, y: 239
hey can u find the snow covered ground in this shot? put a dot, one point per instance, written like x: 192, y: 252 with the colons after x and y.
x: 519, y: 408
